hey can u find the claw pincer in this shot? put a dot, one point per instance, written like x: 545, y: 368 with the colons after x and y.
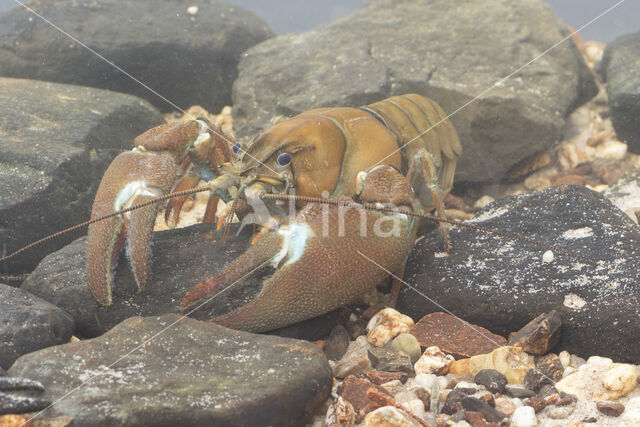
x: 159, y: 162
x: 322, y: 259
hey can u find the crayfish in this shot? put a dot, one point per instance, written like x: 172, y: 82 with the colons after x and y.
x: 400, y: 151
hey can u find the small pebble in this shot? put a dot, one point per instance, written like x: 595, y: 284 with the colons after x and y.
x: 559, y: 412
x: 389, y: 416
x: 341, y: 413
x: 547, y: 257
x: 493, y: 380
x: 519, y: 392
x: 433, y: 361
x: 610, y: 409
x: 386, y: 325
x: 408, y: 344
x: 524, y: 416
x: 631, y: 414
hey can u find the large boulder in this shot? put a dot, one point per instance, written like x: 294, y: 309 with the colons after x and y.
x: 28, y: 323
x: 450, y: 51
x: 621, y: 69
x: 172, y: 53
x: 501, y: 283
x: 171, y: 370
x: 55, y: 143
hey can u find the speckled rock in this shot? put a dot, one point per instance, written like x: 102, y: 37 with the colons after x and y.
x: 185, y: 58
x: 189, y: 374
x: 501, y: 284
x: 433, y: 361
x: 621, y: 69
x: 364, y: 57
x: 55, y: 143
x: 600, y: 382
x: 28, y: 323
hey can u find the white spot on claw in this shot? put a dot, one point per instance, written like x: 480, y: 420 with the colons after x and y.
x: 294, y: 243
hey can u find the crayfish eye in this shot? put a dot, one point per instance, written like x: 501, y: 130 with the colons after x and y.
x: 283, y: 160
x: 237, y: 147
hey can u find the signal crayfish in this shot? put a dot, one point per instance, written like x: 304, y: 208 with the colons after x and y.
x: 399, y: 153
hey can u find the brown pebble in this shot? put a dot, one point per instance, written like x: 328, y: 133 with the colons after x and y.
x: 454, y: 337
x: 540, y: 334
x: 536, y: 403
x: 424, y: 395
x: 562, y: 179
x: 527, y: 166
x: 381, y: 377
x: 610, y: 409
x: 476, y: 419
x: 354, y: 391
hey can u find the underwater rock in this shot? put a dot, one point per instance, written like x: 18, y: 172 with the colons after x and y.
x: 440, y: 49
x: 56, y: 141
x: 181, y: 56
x: 501, y: 284
x: 27, y: 323
x: 190, y: 373
x: 621, y: 70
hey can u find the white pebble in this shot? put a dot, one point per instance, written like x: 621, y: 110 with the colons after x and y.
x: 433, y: 361
x: 601, y: 362
x: 565, y: 358
x: 386, y: 325
x: 631, y: 414
x: 524, y: 416
x: 192, y: 10
x: 547, y: 257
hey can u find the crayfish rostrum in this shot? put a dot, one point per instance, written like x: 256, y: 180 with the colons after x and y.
x: 400, y: 151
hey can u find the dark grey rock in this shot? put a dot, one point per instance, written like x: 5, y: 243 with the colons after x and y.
x: 453, y: 402
x: 476, y: 405
x: 493, y: 380
x: 27, y: 323
x: 55, y: 143
x: 384, y: 359
x: 500, y: 284
x: 621, y: 69
x: 441, y: 49
x: 184, y: 58
x: 18, y: 404
x: 519, y: 392
x: 188, y: 373
x: 20, y: 395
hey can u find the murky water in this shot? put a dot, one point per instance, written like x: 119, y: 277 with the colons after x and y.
x: 286, y: 16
